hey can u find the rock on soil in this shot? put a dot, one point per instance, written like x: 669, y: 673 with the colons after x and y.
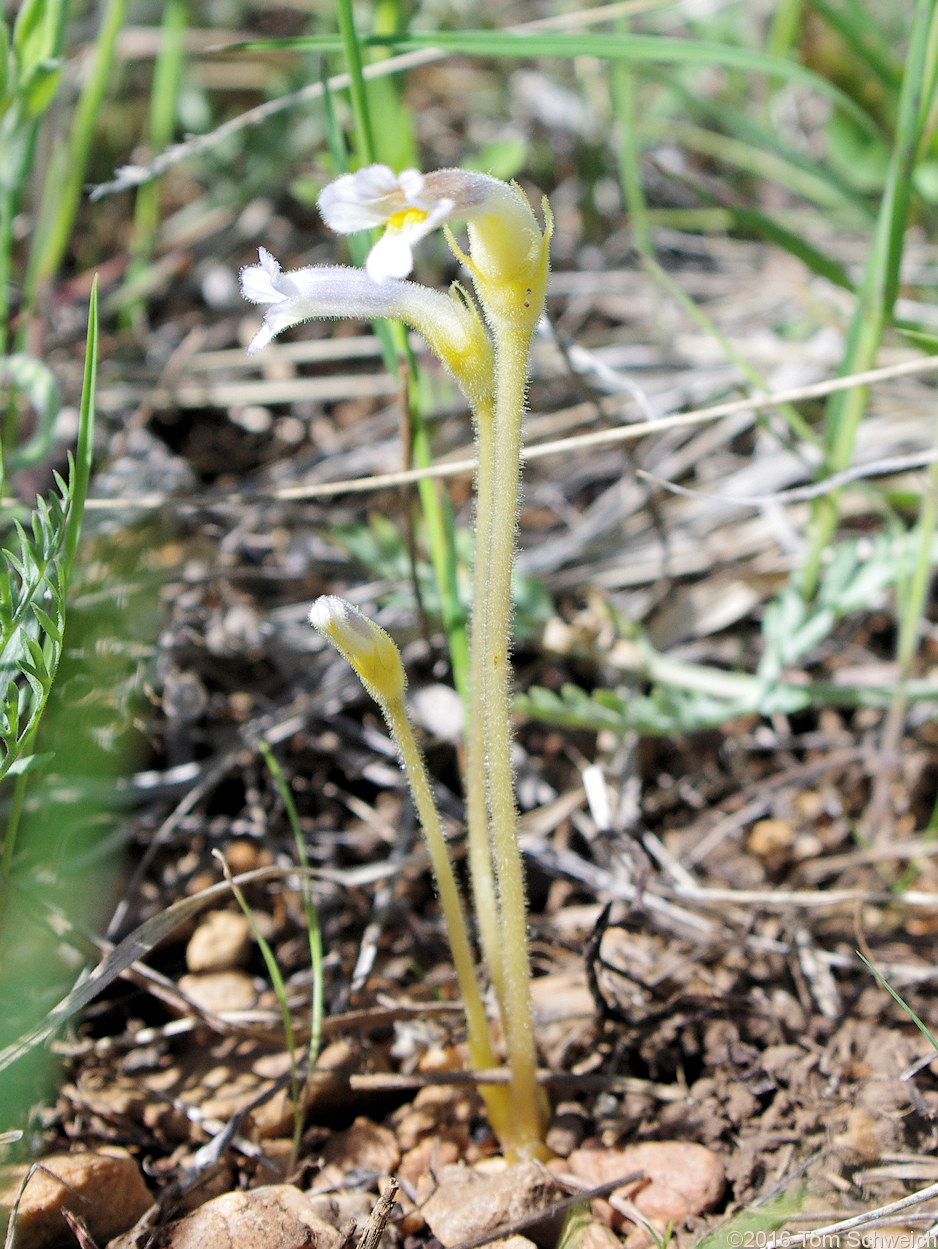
x: 103, y: 1188
x: 365, y: 1146
x: 595, y: 1235
x: 218, y: 991
x: 472, y: 1202
x: 277, y: 1215
x: 682, y: 1179
x: 221, y: 941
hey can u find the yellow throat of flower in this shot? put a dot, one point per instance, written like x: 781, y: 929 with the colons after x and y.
x: 405, y: 218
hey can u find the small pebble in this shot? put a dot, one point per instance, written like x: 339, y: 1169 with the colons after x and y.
x: 217, y: 991
x: 274, y: 1215
x: 221, y: 941
x: 104, y: 1188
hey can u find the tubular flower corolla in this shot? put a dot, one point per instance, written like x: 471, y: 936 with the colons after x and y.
x: 448, y: 322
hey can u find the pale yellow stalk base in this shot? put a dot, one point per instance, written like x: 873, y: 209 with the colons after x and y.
x: 497, y: 1098
x: 496, y: 540
x: 485, y: 901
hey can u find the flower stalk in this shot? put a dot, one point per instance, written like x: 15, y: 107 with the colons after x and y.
x: 377, y: 663
x: 495, y: 627
x: 509, y: 266
x: 481, y: 866
x: 487, y: 355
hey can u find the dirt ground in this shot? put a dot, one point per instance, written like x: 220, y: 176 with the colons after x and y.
x: 698, y: 899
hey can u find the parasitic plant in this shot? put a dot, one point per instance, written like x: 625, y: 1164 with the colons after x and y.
x: 485, y: 345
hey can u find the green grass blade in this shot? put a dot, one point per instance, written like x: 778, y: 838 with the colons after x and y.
x: 84, y: 450
x: 35, y: 44
x: 865, y: 42
x: 313, y: 931
x: 280, y: 991
x: 32, y: 627
x: 913, y: 595
x: 874, y: 306
x: 68, y: 169
x: 626, y: 112
x: 786, y: 22
x: 37, y: 31
x: 164, y: 100
x: 637, y: 49
x: 351, y: 47
x: 133, y: 947
x: 754, y: 144
x: 395, y: 142
x: 4, y: 66
x: 753, y: 222
x: 762, y: 159
x: 922, y: 1027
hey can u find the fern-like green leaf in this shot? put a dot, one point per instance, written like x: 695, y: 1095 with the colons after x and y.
x: 34, y: 575
x: 32, y: 627
x: 52, y: 628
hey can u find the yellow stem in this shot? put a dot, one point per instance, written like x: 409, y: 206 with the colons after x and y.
x: 497, y: 1098
x: 485, y: 902
x: 511, y: 351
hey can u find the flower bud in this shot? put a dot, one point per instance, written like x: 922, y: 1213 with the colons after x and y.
x: 365, y: 645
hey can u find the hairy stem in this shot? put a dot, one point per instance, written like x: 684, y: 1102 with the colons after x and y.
x: 515, y: 997
x: 497, y: 1098
x: 485, y: 903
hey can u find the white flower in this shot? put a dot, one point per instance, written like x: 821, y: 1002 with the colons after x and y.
x: 376, y: 196
x: 448, y: 322
x: 316, y: 291
x: 508, y: 249
x: 411, y: 205
x: 371, y: 197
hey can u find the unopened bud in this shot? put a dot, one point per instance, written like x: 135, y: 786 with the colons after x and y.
x: 364, y: 644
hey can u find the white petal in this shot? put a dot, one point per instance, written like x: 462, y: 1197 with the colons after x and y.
x: 260, y: 339
x: 391, y: 257
x: 333, y: 615
x: 439, y: 212
x: 298, y: 283
x: 359, y: 201
x: 319, y: 291
x: 256, y: 286
x: 269, y: 263
x: 375, y: 181
x: 259, y: 283
x: 411, y: 182
x: 326, y: 610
